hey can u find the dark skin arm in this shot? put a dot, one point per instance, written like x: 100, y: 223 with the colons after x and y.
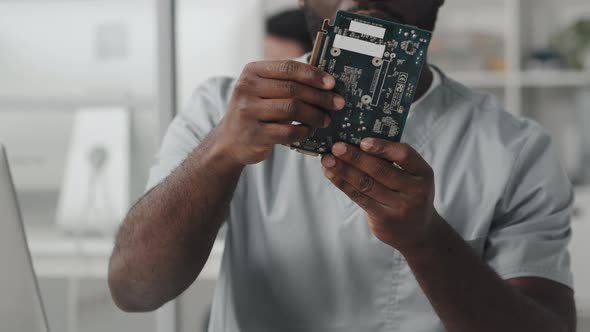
x: 469, y: 296
x: 167, y: 237
x: 464, y: 291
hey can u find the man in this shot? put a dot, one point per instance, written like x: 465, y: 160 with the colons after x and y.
x: 470, y: 236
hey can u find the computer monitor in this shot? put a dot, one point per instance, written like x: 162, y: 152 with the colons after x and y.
x: 21, y: 307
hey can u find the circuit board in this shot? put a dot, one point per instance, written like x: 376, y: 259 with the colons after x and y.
x: 377, y: 66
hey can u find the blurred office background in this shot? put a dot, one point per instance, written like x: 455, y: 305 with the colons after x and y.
x: 72, y: 69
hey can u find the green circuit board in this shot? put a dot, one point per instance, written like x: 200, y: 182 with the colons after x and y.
x: 377, y: 66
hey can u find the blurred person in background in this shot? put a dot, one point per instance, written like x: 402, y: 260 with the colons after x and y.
x: 287, y: 36
x: 470, y: 233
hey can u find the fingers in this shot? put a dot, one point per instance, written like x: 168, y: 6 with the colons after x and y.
x: 277, y: 133
x: 363, y: 200
x: 293, y: 71
x: 381, y: 170
x: 276, y: 89
x: 402, y: 154
x: 396, y: 207
x: 289, y: 110
x: 362, y: 182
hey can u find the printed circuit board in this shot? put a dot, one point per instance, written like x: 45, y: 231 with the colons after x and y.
x: 377, y: 66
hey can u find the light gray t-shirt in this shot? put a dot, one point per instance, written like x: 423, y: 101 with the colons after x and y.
x: 299, y: 255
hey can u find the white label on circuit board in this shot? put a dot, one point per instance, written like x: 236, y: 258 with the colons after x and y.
x: 365, y: 29
x: 359, y: 46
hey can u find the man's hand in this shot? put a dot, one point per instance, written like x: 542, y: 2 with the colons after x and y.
x: 398, y: 200
x: 399, y: 203
x: 268, y: 98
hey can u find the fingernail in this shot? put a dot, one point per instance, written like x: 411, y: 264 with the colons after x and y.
x: 329, y: 81
x: 339, y: 149
x: 329, y: 174
x: 327, y: 121
x: 367, y: 145
x: 329, y: 161
x: 339, y: 102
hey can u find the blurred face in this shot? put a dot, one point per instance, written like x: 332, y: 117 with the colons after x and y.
x: 420, y: 13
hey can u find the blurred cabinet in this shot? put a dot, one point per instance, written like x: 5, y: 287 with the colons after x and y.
x: 485, y: 45
x: 488, y: 45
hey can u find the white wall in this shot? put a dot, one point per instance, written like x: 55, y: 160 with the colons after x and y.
x: 216, y: 38
x: 49, y: 48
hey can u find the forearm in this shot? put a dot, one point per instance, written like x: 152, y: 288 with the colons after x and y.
x: 468, y: 295
x: 167, y: 237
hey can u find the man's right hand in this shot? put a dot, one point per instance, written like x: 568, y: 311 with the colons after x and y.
x: 269, y: 96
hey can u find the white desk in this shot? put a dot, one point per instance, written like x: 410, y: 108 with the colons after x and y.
x: 56, y: 255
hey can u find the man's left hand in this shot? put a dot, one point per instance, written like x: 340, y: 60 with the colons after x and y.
x: 398, y: 198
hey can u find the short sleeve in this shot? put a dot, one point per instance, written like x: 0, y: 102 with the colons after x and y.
x: 531, y: 232
x: 188, y: 129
